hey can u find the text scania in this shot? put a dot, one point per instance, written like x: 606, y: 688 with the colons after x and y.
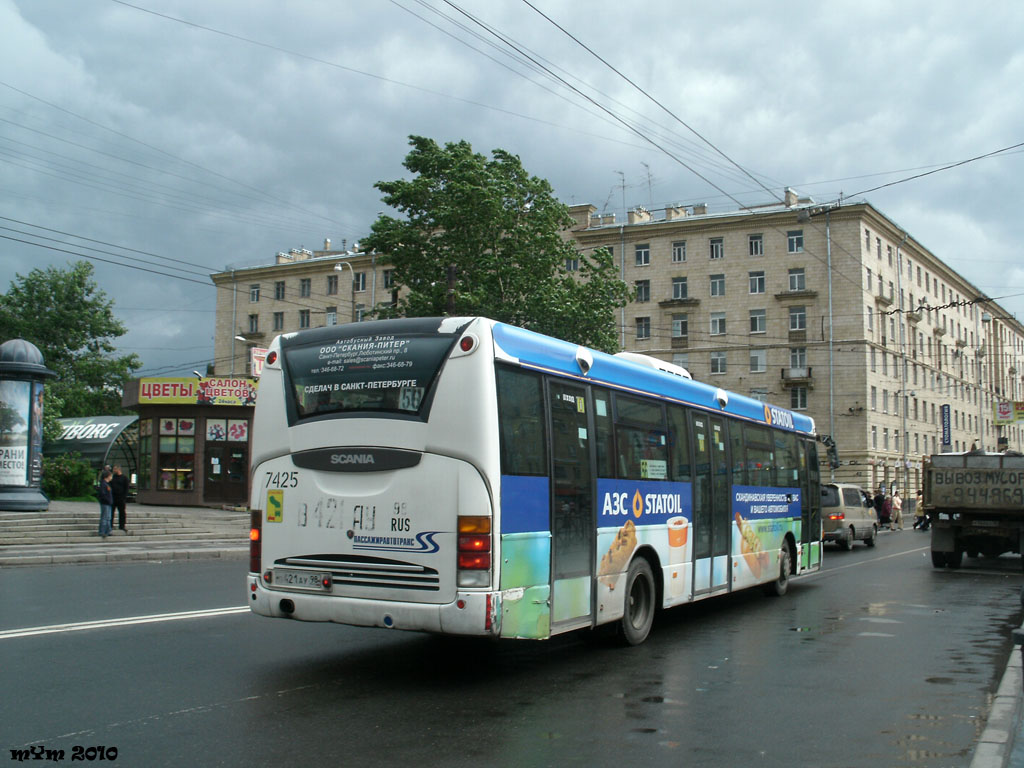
x: 351, y: 458
x: 637, y: 505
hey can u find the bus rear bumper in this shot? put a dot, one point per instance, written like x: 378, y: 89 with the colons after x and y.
x: 470, y: 613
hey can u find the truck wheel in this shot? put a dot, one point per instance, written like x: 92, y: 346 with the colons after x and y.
x: 953, y: 559
x: 639, y: 609
x: 939, y: 559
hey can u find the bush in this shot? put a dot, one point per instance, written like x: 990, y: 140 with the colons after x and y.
x: 68, y: 476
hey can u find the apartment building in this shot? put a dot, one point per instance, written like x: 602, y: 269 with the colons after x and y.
x: 300, y: 289
x: 831, y: 310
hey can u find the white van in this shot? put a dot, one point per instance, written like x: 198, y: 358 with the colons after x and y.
x: 847, y: 514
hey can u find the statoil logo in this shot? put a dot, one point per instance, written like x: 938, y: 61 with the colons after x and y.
x: 639, y: 504
x: 778, y: 417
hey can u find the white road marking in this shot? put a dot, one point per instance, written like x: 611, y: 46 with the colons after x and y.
x: 155, y: 618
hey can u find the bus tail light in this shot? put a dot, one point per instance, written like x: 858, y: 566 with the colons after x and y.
x: 255, y: 540
x: 474, y: 551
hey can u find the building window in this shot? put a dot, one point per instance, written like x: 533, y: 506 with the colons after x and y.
x: 682, y: 359
x: 755, y: 245
x: 643, y: 290
x: 279, y: 290
x: 758, y: 360
x: 643, y: 255
x: 798, y: 318
x: 359, y: 280
x: 254, y: 323
x: 177, y: 454
x: 871, y: 319
x: 885, y: 438
x: 795, y: 240
x: 305, y: 287
x: 874, y: 437
x: 878, y: 247
x: 888, y: 251
x: 717, y: 248
x: 572, y: 265
x: 758, y: 321
x: 867, y: 240
x: 679, y: 288
x: 798, y: 398
x: 798, y: 358
x: 254, y: 293
x: 679, y: 251
x: 759, y: 394
x: 874, y: 398
x: 360, y: 312
x: 718, y: 285
x: 718, y: 364
x: 332, y: 285
x: 718, y: 323
x: 303, y: 318
x: 389, y: 278
x: 797, y: 279
x: 279, y: 321
x: 872, y: 356
x: 756, y: 282
x: 643, y: 328
x: 332, y: 316
x: 680, y: 326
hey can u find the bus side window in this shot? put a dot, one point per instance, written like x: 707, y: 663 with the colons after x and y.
x: 739, y: 462
x: 521, y: 423
x: 679, y: 445
x: 641, y: 442
x: 760, y: 461
x: 788, y: 460
x: 603, y: 424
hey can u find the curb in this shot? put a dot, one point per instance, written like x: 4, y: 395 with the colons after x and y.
x: 995, y: 747
x: 134, y: 555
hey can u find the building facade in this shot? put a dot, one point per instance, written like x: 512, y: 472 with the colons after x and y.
x: 830, y: 310
x: 301, y: 289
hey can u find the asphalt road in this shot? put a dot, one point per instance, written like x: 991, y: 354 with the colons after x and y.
x: 877, y: 660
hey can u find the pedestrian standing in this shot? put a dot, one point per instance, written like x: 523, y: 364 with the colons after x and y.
x: 897, y: 510
x: 119, y: 489
x: 106, y: 503
x: 919, y: 510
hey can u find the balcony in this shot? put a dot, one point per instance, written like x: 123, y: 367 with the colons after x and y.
x: 797, y: 377
x: 961, y: 342
x: 797, y: 336
x: 938, y: 330
x: 914, y: 316
x: 251, y: 335
x: 680, y: 342
x: 804, y: 294
x: 687, y: 302
x: 882, y: 300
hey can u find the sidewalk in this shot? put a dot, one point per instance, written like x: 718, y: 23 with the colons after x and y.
x: 67, y: 533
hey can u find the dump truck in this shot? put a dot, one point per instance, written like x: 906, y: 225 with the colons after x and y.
x: 975, y: 504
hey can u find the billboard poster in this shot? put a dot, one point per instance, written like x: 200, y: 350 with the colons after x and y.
x: 15, y: 426
x: 1007, y: 412
x: 205, y: 391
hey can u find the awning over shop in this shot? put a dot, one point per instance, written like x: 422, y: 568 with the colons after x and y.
x: 100, y: 440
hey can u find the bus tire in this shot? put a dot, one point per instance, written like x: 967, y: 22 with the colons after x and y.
x: 638, y: 610
x: 780, y: 586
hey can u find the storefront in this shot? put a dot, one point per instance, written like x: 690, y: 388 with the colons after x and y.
x: 193, y: 439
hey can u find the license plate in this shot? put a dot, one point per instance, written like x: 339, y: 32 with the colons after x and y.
x: 300, y: 579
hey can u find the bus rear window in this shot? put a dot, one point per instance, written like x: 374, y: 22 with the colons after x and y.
x: 366, y: 373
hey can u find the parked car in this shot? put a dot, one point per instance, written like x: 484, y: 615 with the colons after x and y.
x: 847, y: 515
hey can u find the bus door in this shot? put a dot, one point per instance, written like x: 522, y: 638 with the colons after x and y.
x: 711, y: 507
x: 573, y: 525
x: 810, y: 509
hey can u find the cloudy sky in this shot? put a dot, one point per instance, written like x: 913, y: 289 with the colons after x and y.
x: 168, y: 139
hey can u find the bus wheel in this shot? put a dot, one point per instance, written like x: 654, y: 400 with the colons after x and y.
x: 639, y: 608
x: 778, y: 587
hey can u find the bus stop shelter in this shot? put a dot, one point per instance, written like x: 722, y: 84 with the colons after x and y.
x: 100, y: 440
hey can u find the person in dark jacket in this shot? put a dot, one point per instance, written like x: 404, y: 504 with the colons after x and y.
x: 119, y: 489
x: 106, y: 503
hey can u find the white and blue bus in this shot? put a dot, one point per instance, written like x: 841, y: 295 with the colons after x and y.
x: 464, y: 476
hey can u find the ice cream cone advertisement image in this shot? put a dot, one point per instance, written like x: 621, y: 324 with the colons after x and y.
x: 761, y: 518
x: 637, y: 513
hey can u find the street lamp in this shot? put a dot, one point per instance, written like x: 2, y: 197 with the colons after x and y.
x: 340, y: 267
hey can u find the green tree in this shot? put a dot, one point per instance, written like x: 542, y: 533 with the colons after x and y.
x: 71, y: 321
x: 482, y: 237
